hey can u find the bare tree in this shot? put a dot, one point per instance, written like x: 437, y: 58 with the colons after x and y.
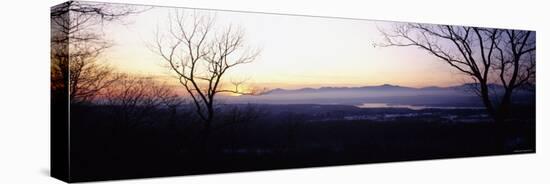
x: 136, y: 98
x: 86, y: 77
x: 76, y: 21
x: 485, y: 55
x: 200, y: 56
x: 77, y: 42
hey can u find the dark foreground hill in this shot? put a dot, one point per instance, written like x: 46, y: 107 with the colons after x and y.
x: 108, y: 142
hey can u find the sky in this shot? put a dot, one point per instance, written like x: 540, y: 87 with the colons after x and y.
x: 296, y: 52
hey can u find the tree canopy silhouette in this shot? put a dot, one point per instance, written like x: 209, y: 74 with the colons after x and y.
x: 77, y: 41
x: 486, y: 55
x: 135, y: 98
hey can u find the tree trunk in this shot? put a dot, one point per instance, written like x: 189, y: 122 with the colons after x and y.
x: 204, y: 134
x: 498, y: 114
x: 484, y: 90
x: 503, y: 126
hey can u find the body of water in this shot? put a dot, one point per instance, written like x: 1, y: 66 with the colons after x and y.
x: 413, y: 107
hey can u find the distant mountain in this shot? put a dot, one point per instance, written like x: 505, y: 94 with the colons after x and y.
x: 463, y: 95
x: 379, y: 88
x: 464, y: 88
x: 432, y: 88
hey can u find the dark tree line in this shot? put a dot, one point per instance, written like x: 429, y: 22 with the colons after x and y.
x: 134, y: 98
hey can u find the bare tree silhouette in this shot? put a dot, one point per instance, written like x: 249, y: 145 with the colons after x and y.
x: 486, y: 55
x: 86, y: 77
x: 200, y: 56
x: 136, y: 98
x: 76, y: 20
x: 77, y: 43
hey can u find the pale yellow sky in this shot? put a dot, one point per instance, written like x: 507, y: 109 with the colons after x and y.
x: 297, y: 51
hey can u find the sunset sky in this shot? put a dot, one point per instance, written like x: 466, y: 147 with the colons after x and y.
x: 297, y: 51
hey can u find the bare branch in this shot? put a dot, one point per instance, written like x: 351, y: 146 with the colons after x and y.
x: 201, y: 56
x: 485, y: 55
